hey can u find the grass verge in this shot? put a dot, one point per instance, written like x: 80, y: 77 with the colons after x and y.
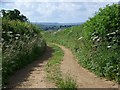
x: 53, y: 71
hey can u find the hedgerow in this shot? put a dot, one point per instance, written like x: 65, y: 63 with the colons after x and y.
x: 22, y: 43
x: 96, y: 43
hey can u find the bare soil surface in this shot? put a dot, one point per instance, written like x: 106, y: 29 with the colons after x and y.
x: 33, y: 75
x: 84, y: 78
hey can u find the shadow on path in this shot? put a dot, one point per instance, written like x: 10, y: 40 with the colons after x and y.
x: 23, y: 74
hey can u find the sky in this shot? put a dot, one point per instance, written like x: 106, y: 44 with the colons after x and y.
x: 61, y: 11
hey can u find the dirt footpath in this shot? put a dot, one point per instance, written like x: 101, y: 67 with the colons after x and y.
x: 83, y: 77
x: 33, y: 75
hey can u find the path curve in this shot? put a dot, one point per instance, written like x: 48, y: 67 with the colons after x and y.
x: 33, y: 75
x: 83, y: 77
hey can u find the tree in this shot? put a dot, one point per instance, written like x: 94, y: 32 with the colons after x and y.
x: 13, y: 15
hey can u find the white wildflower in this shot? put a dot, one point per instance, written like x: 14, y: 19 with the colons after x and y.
x: 16, y: 37
x: 95, y: 38
x: 36, y: 34
x: 80, y: 38
x: 2, y: 39
x: 116, y: 30
x: 98, y: 39
x: 114, y: 40
x: 17, y: 34
x: 7, y: 46
x: 113, y: 33
x: 3, y: 32
x: 108, y: 46
x: 10, y: 32
x: 27, y: 37
x: 93, y: 33
x: 108, y: 34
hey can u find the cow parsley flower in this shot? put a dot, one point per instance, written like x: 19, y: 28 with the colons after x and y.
x: 10, y: 32
x: 16, y: 37
x: 17, y: 34
x: 108, y: 46
x: 80, y: 38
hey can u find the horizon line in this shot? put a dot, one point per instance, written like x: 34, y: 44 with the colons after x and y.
x: 56, y: 22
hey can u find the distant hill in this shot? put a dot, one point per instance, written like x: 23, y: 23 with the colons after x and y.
x: 55, y: 26
x: 46, y: 23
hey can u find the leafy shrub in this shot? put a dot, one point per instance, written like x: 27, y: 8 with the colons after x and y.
x: 96, y: 43
x: 21, y: 44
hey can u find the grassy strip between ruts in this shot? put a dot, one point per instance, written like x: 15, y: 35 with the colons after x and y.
x: 53, y: 70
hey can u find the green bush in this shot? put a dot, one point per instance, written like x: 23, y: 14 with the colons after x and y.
x: 96, y: 43
x: 21, y: 44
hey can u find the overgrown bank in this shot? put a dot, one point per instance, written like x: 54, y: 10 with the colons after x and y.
x: 21, y: 43
x: 96, y: 43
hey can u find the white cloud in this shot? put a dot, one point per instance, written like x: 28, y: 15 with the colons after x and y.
x: 60, y: 0
x: 56, y: 11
